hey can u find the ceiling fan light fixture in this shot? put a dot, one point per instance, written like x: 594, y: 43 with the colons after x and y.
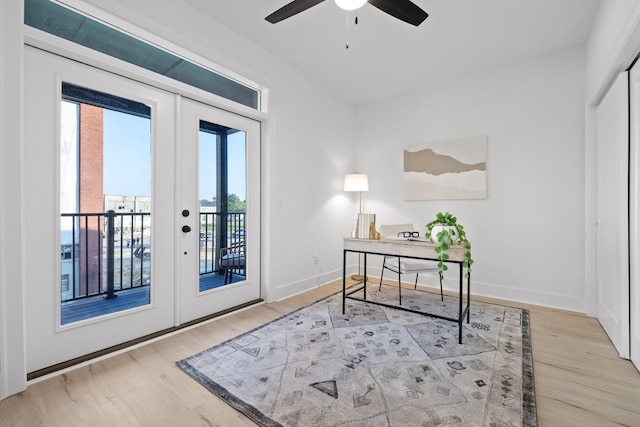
x: 350, y: 4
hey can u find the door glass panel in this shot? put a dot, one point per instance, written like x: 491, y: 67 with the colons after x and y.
x: 222, y: 194
x: 105, y: 204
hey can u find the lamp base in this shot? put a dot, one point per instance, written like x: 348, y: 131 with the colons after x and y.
x: 358, y: 277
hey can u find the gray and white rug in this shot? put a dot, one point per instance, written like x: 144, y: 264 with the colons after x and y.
x: 377, y: 366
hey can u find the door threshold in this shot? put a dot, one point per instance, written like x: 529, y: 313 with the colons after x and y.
x: 57, y: 368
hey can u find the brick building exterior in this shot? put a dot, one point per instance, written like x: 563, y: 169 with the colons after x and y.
x: 90, y: 168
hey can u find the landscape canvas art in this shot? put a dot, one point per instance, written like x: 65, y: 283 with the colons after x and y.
x: 445, y: 170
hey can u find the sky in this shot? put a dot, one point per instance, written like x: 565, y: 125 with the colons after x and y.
x: 127, y: 158
x: 236, y: 158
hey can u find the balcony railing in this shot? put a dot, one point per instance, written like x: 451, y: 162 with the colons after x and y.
x: 104, y: 253
x: 218, y: 231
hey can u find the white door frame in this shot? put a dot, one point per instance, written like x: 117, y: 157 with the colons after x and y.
x: 634, y: 214
x: 14, y: 33
x: 13, y: 377
x: 169, y: 300
x: 612, y: 210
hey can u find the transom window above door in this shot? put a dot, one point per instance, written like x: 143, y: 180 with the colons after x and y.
x: 70, y: 25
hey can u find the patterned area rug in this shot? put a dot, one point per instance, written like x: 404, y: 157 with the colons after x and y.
x: 377, y: 366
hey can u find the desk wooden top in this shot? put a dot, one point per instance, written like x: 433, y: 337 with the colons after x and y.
x: 407, y: 248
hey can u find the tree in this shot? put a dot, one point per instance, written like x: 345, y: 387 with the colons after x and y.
x: 234, y: 204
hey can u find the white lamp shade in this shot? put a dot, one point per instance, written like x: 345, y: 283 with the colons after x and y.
x: 350, y: 4
x: 356, y: 182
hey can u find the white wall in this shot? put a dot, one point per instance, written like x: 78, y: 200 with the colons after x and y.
x: 527, y: 236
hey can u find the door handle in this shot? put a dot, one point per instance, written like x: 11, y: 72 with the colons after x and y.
x: 186, y: 229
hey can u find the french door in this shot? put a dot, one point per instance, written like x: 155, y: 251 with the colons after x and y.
x: 119, y: 221
x: 218, y: 160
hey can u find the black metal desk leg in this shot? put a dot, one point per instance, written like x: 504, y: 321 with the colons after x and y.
x: 344, y: 280
x: 365, y: 275
x: 468, y: 296
x: 461, y: 299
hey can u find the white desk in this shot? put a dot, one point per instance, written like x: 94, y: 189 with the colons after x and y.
x: 405, y: 249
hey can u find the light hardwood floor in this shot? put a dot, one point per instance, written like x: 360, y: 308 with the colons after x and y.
x: 579, y: 379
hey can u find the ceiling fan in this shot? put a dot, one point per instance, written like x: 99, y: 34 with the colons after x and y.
x: 405, y: 10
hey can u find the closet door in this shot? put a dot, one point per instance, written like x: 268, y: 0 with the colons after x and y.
x: 634, y: 212
x: 612, y: 214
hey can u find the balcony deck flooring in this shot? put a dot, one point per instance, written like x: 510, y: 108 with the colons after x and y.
x: 88, y: 308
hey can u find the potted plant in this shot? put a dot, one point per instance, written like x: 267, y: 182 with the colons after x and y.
x: 445, y: 231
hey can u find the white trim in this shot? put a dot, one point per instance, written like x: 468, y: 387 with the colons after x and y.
x: 634, y: 212
x: 620, y: 56
x: 265, y: 211
x: 590, y: 305
x: 50, y: 43
x: 3, y: 224
x: 301, y: 286
x: 177, y: 129
x: 12, y: 305
x: 142, y: 344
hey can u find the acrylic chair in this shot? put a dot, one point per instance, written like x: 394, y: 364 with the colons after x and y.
x: 400, y: 265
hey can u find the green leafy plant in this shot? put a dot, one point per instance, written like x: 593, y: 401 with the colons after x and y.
x: 450, y: 233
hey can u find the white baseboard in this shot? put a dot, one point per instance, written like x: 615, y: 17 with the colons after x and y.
x: 526, y: 296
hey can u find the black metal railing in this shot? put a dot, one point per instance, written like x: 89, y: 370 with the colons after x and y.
x: 218, y: 231
x: 103, y: 253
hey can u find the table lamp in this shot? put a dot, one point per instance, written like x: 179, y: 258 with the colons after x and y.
x: 357, y: 182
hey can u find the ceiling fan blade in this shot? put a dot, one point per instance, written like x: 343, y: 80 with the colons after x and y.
x: 404, y: 10
x: 293, y: 8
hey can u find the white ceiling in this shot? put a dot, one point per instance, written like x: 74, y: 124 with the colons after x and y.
x: 389, y: 57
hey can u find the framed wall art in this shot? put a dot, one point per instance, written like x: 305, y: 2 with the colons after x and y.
x: 446, y: 170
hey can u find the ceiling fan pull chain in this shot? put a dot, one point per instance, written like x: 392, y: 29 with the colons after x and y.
x: 347, y: 45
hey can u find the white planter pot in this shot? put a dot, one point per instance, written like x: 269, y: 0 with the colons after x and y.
x: 438, y: 228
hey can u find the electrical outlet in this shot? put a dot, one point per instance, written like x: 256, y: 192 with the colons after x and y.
x: 316, y: 261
